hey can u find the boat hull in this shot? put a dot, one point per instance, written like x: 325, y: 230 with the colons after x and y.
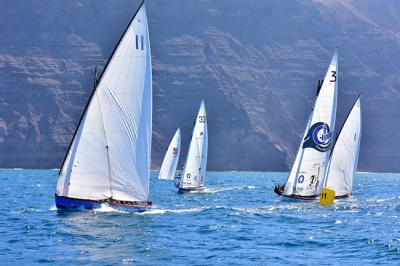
x: 347, y: 196
x: 278, y: 189
x: 72, y: 203
x: 191, y: 189
x: 296, y: 197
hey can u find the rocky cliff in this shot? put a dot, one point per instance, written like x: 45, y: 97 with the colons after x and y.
x: 256, y: 63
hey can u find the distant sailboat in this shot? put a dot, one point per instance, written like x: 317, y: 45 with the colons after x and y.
x: 306, y: 177
x: 344, y: 158
x: 108, y: 161
x: 196, y: 162
x: 170, y: 162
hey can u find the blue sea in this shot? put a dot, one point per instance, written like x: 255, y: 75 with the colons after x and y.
x: 237, y: 220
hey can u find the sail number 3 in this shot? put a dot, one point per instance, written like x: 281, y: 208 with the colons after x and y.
x: 333, y: 76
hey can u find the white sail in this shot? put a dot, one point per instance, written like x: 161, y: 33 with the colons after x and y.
x: 344, y: 157
x: 196, y: 161
x: 308, y: 171
x: 110, y: 152
x: 170, y: 162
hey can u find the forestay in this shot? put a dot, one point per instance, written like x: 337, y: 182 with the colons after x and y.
x: 344, y: 158
x: 170, y: 162
x: 308, y: 170
x: 196, y: 161
x: 110, y: 152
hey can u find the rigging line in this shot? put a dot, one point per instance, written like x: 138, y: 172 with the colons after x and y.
x: 107, y: 148
x: 127, y: 119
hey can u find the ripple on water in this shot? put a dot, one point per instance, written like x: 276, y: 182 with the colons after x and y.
x: 236, y: 220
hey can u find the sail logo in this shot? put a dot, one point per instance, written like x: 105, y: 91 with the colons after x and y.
x: 318, y: 137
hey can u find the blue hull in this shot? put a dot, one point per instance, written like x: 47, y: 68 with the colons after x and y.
x: 71, y: 203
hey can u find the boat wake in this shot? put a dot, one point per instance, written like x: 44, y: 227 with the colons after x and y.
x: 108, y: 208
x: 104, y: 208
x: 271, y: 209
x: 218, y: 190
x: 164, y: 211
x: 235, y: 210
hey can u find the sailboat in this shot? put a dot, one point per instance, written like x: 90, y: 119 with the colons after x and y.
x: 344, y: 158
x: 170, y: 162
x: 108, y: 161
x: 196, y: 161
x: 306, y: 177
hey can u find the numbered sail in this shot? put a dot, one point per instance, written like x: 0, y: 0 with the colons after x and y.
x: 308, y: 170
x: 344, y: 158
x: 196, y: 161
x: 110, y: 153
x: 168, y: 167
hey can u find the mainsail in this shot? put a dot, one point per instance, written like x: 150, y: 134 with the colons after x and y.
x: 344, y: 157
x: 306, y: 176
x: 170, y: 162
x: 196, y: 161
x: 109, y: 156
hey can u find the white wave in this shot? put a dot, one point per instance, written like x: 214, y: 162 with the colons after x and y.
x: 250, y: 210
x: 382, y: 200
x: 365, y: 173
x: 214, y: 190
x: 25, y: 210
x: 218, y: 190
x: 296, y: 206
x: 108, y: 208
x: 338, y: 222
x: 103, y: 208
x: 163, y: 211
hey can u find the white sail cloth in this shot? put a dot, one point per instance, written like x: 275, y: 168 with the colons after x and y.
x: 344, y: 158
x: 306, y: 176
x: 170, y: 162
x: 110, y: 153
x: 196, y: 161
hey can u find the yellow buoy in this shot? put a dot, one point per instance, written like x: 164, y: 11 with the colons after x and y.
x: 327, y: 196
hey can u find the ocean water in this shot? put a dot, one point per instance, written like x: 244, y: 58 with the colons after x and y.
x: 237, y: 220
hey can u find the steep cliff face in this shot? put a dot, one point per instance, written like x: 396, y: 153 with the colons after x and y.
x: 256, y: 63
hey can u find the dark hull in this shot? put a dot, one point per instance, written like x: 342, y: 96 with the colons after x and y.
x: 278, y: 189
x: 301, y: 197
x: 72, y: 203
x: 186, y: 190
x: 347, y: 196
